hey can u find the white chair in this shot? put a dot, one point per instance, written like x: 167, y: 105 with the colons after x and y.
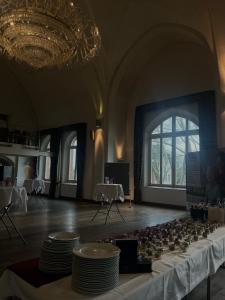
x: 5, y: 204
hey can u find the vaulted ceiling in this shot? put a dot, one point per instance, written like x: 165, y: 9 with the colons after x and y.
x: 133, y: 33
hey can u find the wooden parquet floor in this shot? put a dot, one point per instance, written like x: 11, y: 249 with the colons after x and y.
x: 45, y: 216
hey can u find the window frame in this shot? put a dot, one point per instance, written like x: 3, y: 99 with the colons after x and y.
x: 47, y: 149
x: 173, y: 135
x: 71, y: 147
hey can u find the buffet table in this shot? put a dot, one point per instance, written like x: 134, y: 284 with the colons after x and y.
x: 174, y: 276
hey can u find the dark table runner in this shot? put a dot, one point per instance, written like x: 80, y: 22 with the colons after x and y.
x: 28, y: 270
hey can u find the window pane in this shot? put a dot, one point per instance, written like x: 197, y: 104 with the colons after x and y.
x: 192, y: 126
x: 180, y: 124
x: 72, y: 164
x: 47, y: 167
x: 167, y: 125
x: 48, y: 147
x: 74, y: 142
x: 155, y: 161
x: 180, y: 161
x: 167, y: 161
x: 168, y: 167
x: 193, y: 143
x: 156, y: 130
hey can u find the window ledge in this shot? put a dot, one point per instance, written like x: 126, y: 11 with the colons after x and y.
x: 165, y: 188
x: 69, y: 183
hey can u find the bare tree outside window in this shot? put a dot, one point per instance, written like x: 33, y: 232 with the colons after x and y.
x: 72, y: 170
x: 170, y: 141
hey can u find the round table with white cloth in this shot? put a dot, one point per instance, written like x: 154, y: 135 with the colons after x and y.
x: 110, y: 191
x: 34, y: 185
x: 17, y: 195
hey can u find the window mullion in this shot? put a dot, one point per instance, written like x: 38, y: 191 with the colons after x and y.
x: 68, y: 164
x: 150, y: 160
x: 186, y: 150
x: 173, y: 152
x: 161, y: 158
x: 186, y: 144
x: 186, y: 138
x: 44, y: 167
x: 193, y: 132
x: 75, y: 169
x: 189, y: 132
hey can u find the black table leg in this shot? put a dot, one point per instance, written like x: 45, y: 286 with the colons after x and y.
x: 108, y: 211
x: 222, y: 266
x: 209, y: 288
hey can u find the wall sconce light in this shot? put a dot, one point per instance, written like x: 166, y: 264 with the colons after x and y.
x: 120, y: 152
x: 98, y: 123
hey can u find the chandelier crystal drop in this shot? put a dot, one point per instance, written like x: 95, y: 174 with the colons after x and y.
x: 47, y: 33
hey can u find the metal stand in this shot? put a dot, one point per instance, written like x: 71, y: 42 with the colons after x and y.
x: 37, y: 197
x: 130, y: 205
x: 102, y: 200
x: 4, y: 213
x: 107, y: 208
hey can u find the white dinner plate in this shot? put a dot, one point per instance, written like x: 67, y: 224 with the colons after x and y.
x: 63, y: 236
x: 96, y: 250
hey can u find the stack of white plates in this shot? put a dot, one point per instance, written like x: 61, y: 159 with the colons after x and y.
x: 95, y: 268
x: 56, y: 253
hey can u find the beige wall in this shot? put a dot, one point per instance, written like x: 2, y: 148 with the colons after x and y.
x: 15, y: 102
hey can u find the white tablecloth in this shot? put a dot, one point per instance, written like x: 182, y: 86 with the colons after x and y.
x: 173, y: 277
x: 111, y: 191
x: 17, y: 195
x: 39, y: 186
x: 34, y: 185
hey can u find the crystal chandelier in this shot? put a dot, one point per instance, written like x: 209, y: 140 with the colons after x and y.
x: 47, y: 33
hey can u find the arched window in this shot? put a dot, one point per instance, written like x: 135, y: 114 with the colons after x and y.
x: 168, y: 144
x: 47, y: 163
x: 72, y: 165
x: 45, y: 159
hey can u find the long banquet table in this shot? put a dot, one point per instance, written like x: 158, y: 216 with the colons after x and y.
x: 174, y: 276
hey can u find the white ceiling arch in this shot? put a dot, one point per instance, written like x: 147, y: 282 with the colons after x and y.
x: 149, y: 43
